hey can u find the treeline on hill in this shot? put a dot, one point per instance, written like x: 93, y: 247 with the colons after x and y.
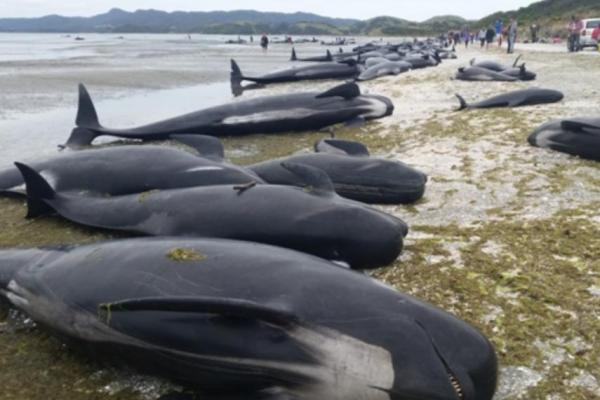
x: 551, y: 15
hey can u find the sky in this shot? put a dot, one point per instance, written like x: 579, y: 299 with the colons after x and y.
x: 414, y: 10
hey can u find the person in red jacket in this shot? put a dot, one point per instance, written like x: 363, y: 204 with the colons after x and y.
x: 596, y: 33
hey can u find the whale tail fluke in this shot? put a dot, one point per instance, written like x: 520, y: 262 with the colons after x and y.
x: 463, y: 103
x: 86, y: 112
x: 38, y: 191
x: 293, y: 57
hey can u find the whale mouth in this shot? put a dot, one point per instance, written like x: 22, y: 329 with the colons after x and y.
x: 455, y: 384
x: 452, y: 377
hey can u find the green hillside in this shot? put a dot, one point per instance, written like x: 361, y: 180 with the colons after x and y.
x: 551, y: 15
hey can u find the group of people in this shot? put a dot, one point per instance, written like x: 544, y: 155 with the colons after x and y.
x: 486, y: 36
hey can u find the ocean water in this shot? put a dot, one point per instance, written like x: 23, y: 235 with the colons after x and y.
x: 133, y: 79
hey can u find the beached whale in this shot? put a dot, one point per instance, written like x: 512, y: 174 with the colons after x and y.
x: 494, y: 65
x: 516, y: 98
x: 384, y: 68
x: 482, y: 74
x: 521, y: 73
x: 353, y: 173
x: 270, y: 114
x: 324, y: 70
x: 418, y: 61
x: 312, y: 219
x: 576, y: 136
x: 325, y: 58
x: 120, y: 170
x: 241, y: 318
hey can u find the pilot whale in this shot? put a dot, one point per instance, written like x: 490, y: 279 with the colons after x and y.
x: 270, y: 114
x: 576, y: 136
x: 353, y: 173
x: 516, y: 98
x: 243, y: 319
x: 384, y: 68
x: 312, y: 219
x: 120, y: 170
x: 326, y: 70
x: 325, y: 58
x: 482, y: 74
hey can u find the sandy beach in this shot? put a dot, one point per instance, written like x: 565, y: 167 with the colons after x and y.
x: 507, y: 236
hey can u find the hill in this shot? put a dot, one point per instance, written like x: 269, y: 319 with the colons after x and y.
x: 154, y: 21
x: 230, y: 22
x: 551, y: 15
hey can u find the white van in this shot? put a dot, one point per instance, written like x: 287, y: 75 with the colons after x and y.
x: 585, y: 39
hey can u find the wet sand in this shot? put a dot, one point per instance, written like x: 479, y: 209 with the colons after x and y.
x: 506, y: 237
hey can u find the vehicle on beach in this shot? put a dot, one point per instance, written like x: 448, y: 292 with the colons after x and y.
x: 585, y: 39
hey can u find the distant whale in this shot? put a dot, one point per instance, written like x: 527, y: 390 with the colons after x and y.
x: 312, y: 219
x: 270, y: 114
x: 482, y: 74
x: 384, y: 68
x: 326, y: 70
x: 353, y: 173
x: 516, y: 98
x: 242, y: 319
x: 120, y: 170
x: 576, y: 136
x: 325, y: 58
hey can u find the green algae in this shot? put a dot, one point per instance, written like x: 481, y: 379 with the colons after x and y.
x: 180, y: 254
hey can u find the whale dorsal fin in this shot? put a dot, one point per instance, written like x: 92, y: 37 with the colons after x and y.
x: 230, y: 307
x: 38, y: 191
x: 329, y: 57
x: 346, y: 90
x: 86, y: 112
x: 337, y: 146
x: 315, y: 179
x: 206, y: 146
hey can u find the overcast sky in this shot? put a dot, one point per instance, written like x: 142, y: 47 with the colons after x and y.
x: 416, y: 10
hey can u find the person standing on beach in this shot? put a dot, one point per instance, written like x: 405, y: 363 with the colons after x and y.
x: 264, y: 42
x: 466, y: 36
x: 575, y: 27
x: 499, y: 31
x: 489, y: 37
x: 481, y: 37
x: 512, y: 35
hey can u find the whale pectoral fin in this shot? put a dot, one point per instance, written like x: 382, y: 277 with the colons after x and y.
x: 346, y: 90
x: 38, y: 190
x: 349, y: 147
x: 206, y: 146
x: 202, y: 305
x: 580, y: 126
x: 315, y: 179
